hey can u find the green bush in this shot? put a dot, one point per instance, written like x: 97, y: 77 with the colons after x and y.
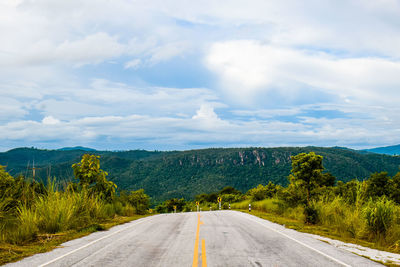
x: 128, y: 210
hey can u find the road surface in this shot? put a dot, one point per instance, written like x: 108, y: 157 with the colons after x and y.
x: 217, y: 238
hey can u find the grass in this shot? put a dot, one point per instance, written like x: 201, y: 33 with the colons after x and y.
x: 46, y: 242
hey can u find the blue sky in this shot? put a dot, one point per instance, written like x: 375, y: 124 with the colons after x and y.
x: 193, y: 74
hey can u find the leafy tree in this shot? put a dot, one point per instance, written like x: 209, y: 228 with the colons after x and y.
x: 395, y: 188
x: 307, y: 172
x: 229, y: 190
x: 139, y: 200
x: 168, y: 205
x: 202, y: 198
x: 258, y: 193
x: 378, y: 185
x: 271, y: 189
x: 92, y: 178
x: 351, y: 191
x: 327, y: 179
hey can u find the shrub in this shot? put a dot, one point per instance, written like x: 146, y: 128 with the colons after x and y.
x: 128, y: 210
x: 311, y: 214
x: 258, y: 193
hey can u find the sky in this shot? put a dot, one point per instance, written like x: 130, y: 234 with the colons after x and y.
x: 177, y: 75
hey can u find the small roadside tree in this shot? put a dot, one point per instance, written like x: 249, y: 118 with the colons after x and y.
x: 307, y: 172
x: 92, y: 178
x: 139, y: 200
x: 305, y: 178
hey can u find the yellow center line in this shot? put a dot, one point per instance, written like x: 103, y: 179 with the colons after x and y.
x: 196, y: 247
x: 203, y: 253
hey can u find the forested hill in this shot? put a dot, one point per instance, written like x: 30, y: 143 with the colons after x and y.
x: 165, y: 175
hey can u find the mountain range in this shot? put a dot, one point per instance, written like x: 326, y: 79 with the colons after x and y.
x: 388, y: 150
x: 165, y: 175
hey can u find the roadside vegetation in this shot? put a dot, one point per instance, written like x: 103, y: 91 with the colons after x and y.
x: 365, y: 212
x: 35, y: 217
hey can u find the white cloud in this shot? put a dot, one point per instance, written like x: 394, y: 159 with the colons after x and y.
x: 204, y: 127
x: 50, y: 120
x: 247, y: 68
x: 206, y: 113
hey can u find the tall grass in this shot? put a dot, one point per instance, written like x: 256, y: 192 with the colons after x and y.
x: 379, y: 215
x: 272, y: 205
x: 54, y: 212
x: 344, y: 219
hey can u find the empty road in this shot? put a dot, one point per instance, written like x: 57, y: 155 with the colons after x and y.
x: 217, y: 238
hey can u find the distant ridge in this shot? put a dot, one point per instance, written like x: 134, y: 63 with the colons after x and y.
x: 77, y: 148
x: 388, y: 150
x: 176, y: 174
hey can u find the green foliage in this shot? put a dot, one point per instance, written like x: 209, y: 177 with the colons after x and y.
x: 27, y: 228
x: 203, y: 198
x: 261, y: 192
x: 379, y: 215
x: 307, y: 172
x: 395, y: 188
x: 357, y: 209
x: 327, y: 179
x: 311, y: 214
x: 92, y: 178
x: 229, y: 190
x: 168, y: 205
x: 28, y: 208
x: 258, y: 193
x: 177, y: 174
x: 378, y: 185
x: 137, y: 199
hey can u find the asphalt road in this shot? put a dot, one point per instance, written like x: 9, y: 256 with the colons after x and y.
x: 218, y: 238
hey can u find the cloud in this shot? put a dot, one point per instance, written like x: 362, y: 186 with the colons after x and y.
x: 283, y: 73
x: 92, y: 49
x: 133, y: 64
x: 102, y: 98
x: 50, y: 120
x: 247, y: 68
x: 204, y: 127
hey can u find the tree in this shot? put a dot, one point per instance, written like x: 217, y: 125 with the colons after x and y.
x: 92, y: 178
x: 229, y: 190
x: 378, y: 184
x: 6, y: 180
x: 258, y: 193
x: 307, y: 172
x: 139, y: 200
x: 395, y: 188
x: 327, y: 179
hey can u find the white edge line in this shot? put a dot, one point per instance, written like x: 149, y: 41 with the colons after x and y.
x: 301, y: 243
x: 91, y: 243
